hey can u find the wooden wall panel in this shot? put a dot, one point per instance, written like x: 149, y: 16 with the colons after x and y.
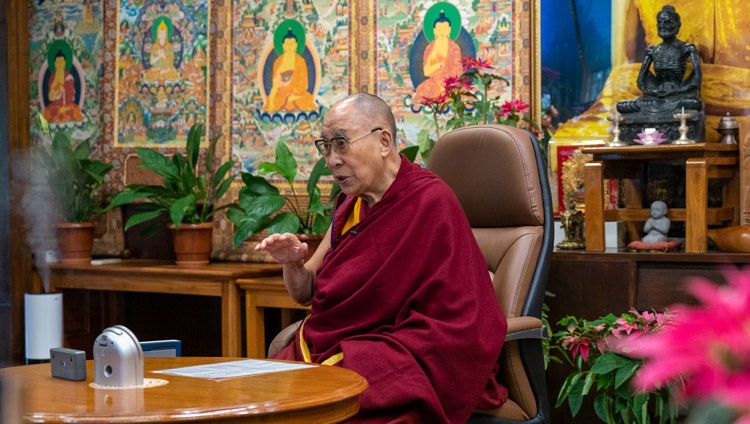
x: 11, y: 342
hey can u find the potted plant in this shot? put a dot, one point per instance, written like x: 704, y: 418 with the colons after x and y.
x: 189, y: 196
x: 73, y: 179
x: 598, y: 350
x: 262, y: 206
x: 468, y: 99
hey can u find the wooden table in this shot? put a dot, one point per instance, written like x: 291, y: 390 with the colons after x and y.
x: 702, y: 161
x: 317, y: 394
x: 260, y: 293
x: 217, y: 279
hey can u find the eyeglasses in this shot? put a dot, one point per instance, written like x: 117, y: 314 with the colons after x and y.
x: 339, y: 143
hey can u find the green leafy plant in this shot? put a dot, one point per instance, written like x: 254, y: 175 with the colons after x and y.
x: 72, y: 176
x: 191, y: 188
x: 597, y: 351
x: 262, y: 206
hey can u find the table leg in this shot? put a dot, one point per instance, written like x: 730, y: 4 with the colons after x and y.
x: 594, y: 200
x: 696, y: 187
x: 231, y: 325
x: 255, y: 331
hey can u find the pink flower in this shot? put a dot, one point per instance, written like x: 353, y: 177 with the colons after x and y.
x: 512, y: 107
x: 576, y: 344
x: 435, y: 101
x: 469, y: 62
x: 623, y: 326
x: 457, y: 83
x: 705, y: 348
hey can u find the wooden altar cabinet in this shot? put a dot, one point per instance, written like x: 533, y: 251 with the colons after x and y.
x: 701, y: 161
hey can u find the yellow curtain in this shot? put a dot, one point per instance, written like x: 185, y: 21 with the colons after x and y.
x: 721, y: 31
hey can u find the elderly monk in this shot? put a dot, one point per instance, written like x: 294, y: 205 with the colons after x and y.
x: 400, y: 292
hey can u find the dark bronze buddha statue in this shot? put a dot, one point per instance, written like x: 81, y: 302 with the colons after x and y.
x: 666, y: 89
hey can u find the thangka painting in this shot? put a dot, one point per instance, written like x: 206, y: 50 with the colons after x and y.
x: 291, y: 63
x: 162, y: 79
x: 65, y: 55
x: 420, y: 44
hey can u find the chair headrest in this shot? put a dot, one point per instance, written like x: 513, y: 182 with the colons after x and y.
x: 494, y: 172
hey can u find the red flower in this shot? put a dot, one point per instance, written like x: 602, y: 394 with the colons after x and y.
x: 458, y: 83
x: 434, y: 101
x: 469, y: 62
x: 512, y: 107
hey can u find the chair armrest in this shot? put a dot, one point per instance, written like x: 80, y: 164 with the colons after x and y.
x: 284, y: 337
x: 526, y: 328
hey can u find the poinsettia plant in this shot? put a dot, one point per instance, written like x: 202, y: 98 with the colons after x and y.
x: 598, y: 351
x: 705, y: 351
x: 467, y: 100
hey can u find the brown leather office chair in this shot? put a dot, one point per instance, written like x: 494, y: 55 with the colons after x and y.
x: 499, y: 176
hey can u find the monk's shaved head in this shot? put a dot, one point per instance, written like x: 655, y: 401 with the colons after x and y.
x: 371, y: 108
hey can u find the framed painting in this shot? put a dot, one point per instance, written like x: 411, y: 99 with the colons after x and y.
x: 161, y: 71
x: 292, y: 61
x: 419, y: 44
x: 65, y: 52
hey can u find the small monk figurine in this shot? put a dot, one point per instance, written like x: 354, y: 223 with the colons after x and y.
x: 656, y: 229
x: 657, y: 226
x: 666, y: 90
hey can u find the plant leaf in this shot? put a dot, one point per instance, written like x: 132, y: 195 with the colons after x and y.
x: 411, y: 152
x: 286, y: 222
x: 192, y: 147
x: 180, y: 208
x: 610, y: 361
x: 425, y: 143
x: 625, y: 372
x: 257, y: 185
x: 640, y: 408
x: 575, y: 399
x: 223, y: 188
x: 320, y: 169
x: 220, y: 174
x: 142, y: 217
x: 82, y: 151
x: 157, y: 162
x: 568, y: 386
x: 600, y: 407
x: 128, y: 196
x: 321, y: 224
x: 258, y: 206
x: 287, y: 165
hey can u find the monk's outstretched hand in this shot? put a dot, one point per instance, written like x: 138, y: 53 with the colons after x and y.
x: 285, y: 248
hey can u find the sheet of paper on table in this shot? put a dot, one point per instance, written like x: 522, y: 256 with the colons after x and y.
x: 232, y: 369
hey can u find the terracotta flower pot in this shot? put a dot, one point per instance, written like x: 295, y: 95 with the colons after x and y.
x: 75, y: 241
x: 193, y: 243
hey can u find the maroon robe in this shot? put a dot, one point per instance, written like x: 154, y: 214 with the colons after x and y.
x: 407, y: 297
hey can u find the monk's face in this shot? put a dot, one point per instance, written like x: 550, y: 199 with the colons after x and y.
x: 360, y: 171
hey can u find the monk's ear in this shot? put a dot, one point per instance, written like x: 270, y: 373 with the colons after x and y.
x: 386, y: 142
